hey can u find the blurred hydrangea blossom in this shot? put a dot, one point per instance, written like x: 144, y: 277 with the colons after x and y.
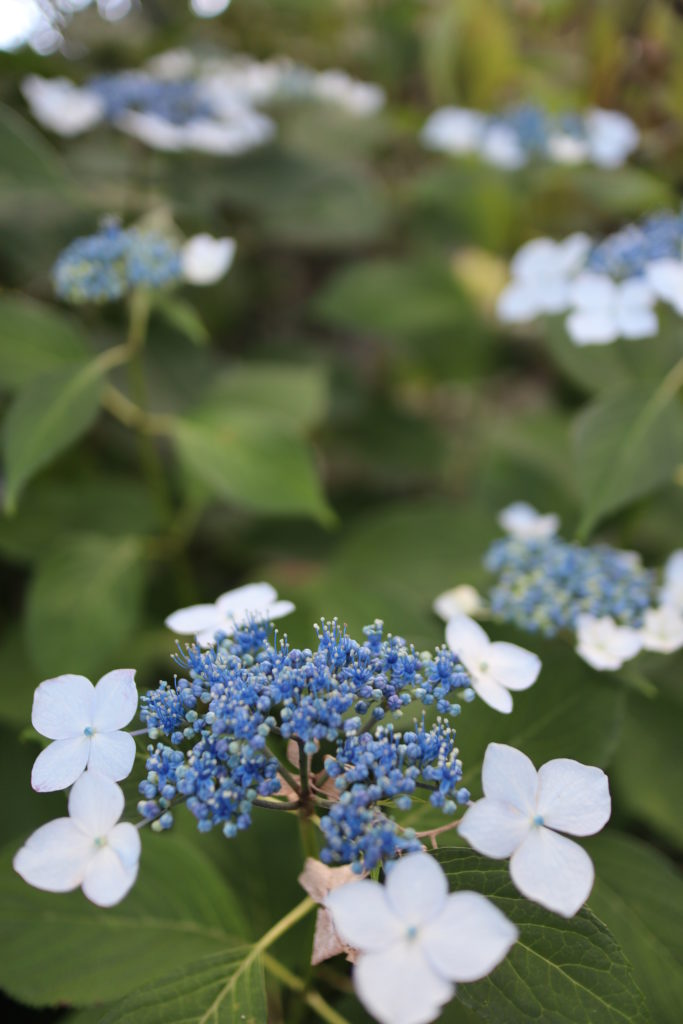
x: 609, y: 290
x: 113, y: 262
x: 515, y: 137
x: 179, y: 103
x: 253, y: 602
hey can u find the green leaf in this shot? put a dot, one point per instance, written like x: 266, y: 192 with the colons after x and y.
x: 626, y: 444
x: 35, y: 339
x: 58, y: 948
x: 297, y: 394
x: 559, y: 971
x: 221, y: 989
x: 252, y: 461
x: 182, y: 316
x: 46, y: 417
x: 638, y: 893
x: 647, y: 773
x: 53, y: 507
x: 83, y: 603
x: 28, y: 160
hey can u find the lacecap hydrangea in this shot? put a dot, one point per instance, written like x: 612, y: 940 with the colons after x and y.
x: 216, y: 729
x: 108, y: 265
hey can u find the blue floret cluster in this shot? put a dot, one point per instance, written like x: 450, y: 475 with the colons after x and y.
x: 534, y: 126
x: 106, y: 266
x: 627, y: 252
x: 544, y: 585
x: 177, y: 101
x: 217, y: 731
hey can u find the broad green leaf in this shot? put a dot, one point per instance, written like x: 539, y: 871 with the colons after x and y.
x: 626, y: 444
x: 559, y: 971
x: 182, y: 316
x: 647, y: 773
x: 83, y: 603
x: 298, y: 394
x: 46, y: 417
x: 638, y: 893
x: 52, y: 507
x: 35, y: 339
x: 58, y: 948
x: 18, y: 679
x: 28, y: 160
x: 221, y: 989
x: 254, y: 462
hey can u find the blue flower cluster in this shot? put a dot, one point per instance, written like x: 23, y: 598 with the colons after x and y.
x: 107, y: 266
x: 627, y: 252
x: 544, y: 585
x: 211, y: 730
x: 177, y: 101
x: 535, y: 127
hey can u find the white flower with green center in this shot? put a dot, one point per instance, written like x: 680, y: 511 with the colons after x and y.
x: 90, y: 848
x: 495, y: 667
x: 231, y: 611
x: 522, y: 814
x: 415, y: 941
x: 662, y: 630
x: 84, y: 721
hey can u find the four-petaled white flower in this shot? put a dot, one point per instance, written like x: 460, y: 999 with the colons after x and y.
x: 495, y: 667
x: 662, y: 629
x: 524, y: 522
x: 85, y: 722
x: 462, y: 600
x: 604, y: 644
x: 87, y: 849
x: 255, y: 601
x: 61, y: 106
x: 206, y: 259
x: 611, y: 136
x: 604, y: 310
x: 415, y: 940
x: 521, y: 815
x: 542, y: 271
x: 671, y: 592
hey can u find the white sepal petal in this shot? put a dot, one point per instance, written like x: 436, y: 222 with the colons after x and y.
x: 362, y: 917
x: 62, y: 707
x: 416, y: 888
x: 494, y: 828
x: 553, y: 871
x: 107, y: 879
x: 469, y: 938
x: 115, y: 701
x: 397, y: 985
x: 55, y: 857
x: 493, y: 694
x: 193, y: 619
x: 96, y: 803
x: 512, y: 666
x: 112, y: 754
x: 509, y: 775
x: 60, y: 764
x: 573, y: 797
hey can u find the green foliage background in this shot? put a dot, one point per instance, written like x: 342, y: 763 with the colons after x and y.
x: 345, y: 419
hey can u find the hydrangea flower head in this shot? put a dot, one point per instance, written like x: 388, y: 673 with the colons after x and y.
x: 522, y: 814
x: 415, y: 941
x: 90, y: 848
x: 340, y: 703
x: 84, y: 723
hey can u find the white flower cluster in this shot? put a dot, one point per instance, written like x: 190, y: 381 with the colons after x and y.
x: 605, y: 138
x: 412, y: 941
x: 177, y: 103
x: 552, y: 278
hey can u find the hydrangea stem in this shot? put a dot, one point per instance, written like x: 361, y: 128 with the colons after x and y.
x: 312, y: 999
